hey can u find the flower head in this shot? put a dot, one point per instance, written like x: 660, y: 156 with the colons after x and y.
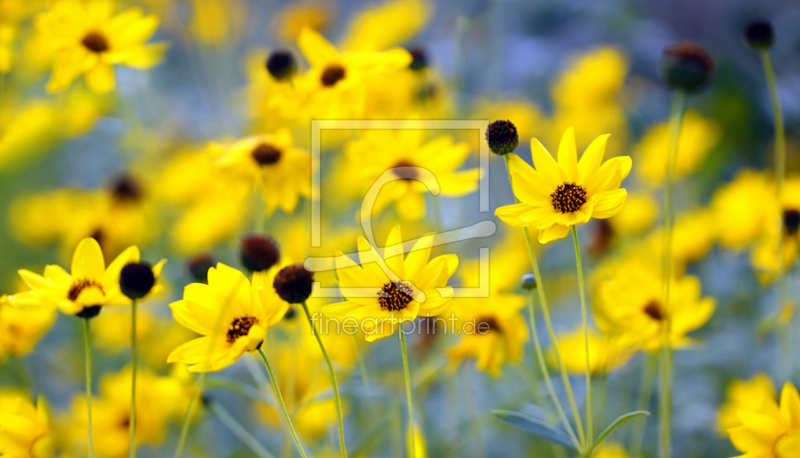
x: 771, y: 432
x: 25, y: 428
x: 557, y: 195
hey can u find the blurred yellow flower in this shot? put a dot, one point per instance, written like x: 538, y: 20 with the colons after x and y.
x: 699, y: 136
x: 380, y: 27
x: 755, y: 395
x: 695, y: 232
x: 377, y: 301
x: 773, y: 431
x: 89, y: 40
x: 639, y: 213
x: 248, y: 312
x: 21, y: 329
x: 420, y: 445
x: 296, y: 16
x: 610, y: 450
x: 743, y: 208
x: 765, y: 253
x: 404, y: 152
x: 606, y: 353
x: 527, y: 117
x: 217, y: 21
x: 25, y: 428
x: 557, y: 195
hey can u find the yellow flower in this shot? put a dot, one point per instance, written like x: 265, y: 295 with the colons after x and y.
x: 507, y: 264
x: 420, y: 446
x: 89, y: 40
x: 698, y: 136
x: 282, y: 172
x: 296, y: 16
x: 25, y: 429
x: 629, y: 304
x: 638, y: 214
x: 89, y: 283
x: 606, y: 353
x: 27, y: 133
x: 557, y: 195
x: 493, y: 331
x: 248, y: 312
x: 402, y: 152
x: 21, y: 329
x: 216, y: 21
x: 390, y: 24
x: 694, y: 234
x: 743, y: 207
x: 765, y: 254
x: 772, y: 432
x: 377, y: 300
x: 755, y: 395
x: 610, y: 450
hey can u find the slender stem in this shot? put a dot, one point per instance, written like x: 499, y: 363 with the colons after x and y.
x: 280, y: 401
x: 88, y: 347
x: 413, y: 448
x: 134, y: 363
x: 551, y: 332
x: 198, y: 387
x: 361, y: 364
x: 665, y: 391
x: 642, y: 403
x: 582, y: 287
x: 238, y: 430
x: 336, y: 397
x: 546, y: 374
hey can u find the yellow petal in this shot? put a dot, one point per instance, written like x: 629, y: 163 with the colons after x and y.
x: 316, y: 49
x: 609, y: 203
x: 418, y: 257
x: 554, y: 232
x: 592, y: 158
x: 528, y: 184
x: 545, y: 165
x: 568, y: 156
x: 790, y: 406
x: 87, y: 261
x: 101, y: 79
x: 510, y: 214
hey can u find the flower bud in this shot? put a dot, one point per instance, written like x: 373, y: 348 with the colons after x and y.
x: 686, y: 66
x: 502, y: 137
x: 528, y: 282
x: 259, y: 252
x: 759, y: 34
x: 199, y: 265
x: 281, y: 65
x: 89, y: 312
x: 136, y: 280
x: 293, y: 283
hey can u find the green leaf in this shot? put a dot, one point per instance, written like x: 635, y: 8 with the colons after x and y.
x: 537, y: 427
x: 616, y: 424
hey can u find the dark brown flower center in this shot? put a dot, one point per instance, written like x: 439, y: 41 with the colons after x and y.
x: 395, y: 296
x: 81, y: 284
x: 240, y: 326
x: 653, y: 310
x: 487, y: 324
x: 568, y: 197
x: 405, y: 171
x: 791, y: 221
x: 95, y: 42
x: 265, y: 154
x: 332, y: 75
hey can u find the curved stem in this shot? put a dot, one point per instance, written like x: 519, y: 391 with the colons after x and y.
x: 337, y: 399
x: 280, y: 401
x: 413, y: 448
x: 88, y: 347
x: 134, y: 363
x: 238, y: 430
x: 551, y: 332
x: 582, y: 287
x: 665, y: 391
x: 361, y: 364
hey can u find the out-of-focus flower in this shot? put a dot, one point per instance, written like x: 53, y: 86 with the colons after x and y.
x: 404, y: 153
x: 557, y: 195
x: 25, y: 428
x: 282, y: 172
x: 21, y: 329
x: 629, y: 304
x: 526, y: 116
x: 610, y: 450
x: 507, y: 264
x: 89, y: 40
x: 420, y: 446
x: 493, y: 331
x: 217, y: 21
x: 12, y: 13
x: 743, y: 208
x: 773, y: 431
x: 606, y: 353
x: 296, y: 16
x: 89, y: 284
x: 249, y: 311
x: 638, y: 214
x: 28, y: 133
x: 754, y: 395
x: 694, y: 234
x: 396, y: 296
x: 390, y: 24
x: 699, y: 136
x: 765, y: 253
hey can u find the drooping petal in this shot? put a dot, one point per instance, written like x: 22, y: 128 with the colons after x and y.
x: 609, y: 203
x: 554, y: 232
x: 510, y: 214
x: 101, y: 79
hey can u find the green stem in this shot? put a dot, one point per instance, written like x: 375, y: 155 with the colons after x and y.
x: 198, y: 387
x: 642, y: 403
x: 665, y: 391
x: 88, y: 347
x: 361, y: 364
x: 582, y: 287
x: 238, y: 430
x: 280, y: 401
x: 546, y: 374
x: 551, y: 332
x: 336, y: 397
x: 134, y: 363
x: 413, y: 449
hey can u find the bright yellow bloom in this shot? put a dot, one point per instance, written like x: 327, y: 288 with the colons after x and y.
x: 610, y: 450
x: 25, y: 428
x: 89, y: 283
x: 743, y: 208
x: 380, y: 27
x: 21, y: 329
x: 765, y: 253
x: 606, y: 353
x: 493, y: 331
x: 755, y: 395
x: 89, y: 40
x: 629, y: 299
x: 379, y: 300
x: 282, y: 172
x: 402, y: 152
x: 248, y: 312
x: 640, y: 211
x: 557, y: 195
x: 698, y: 136
x: 773, y: 431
